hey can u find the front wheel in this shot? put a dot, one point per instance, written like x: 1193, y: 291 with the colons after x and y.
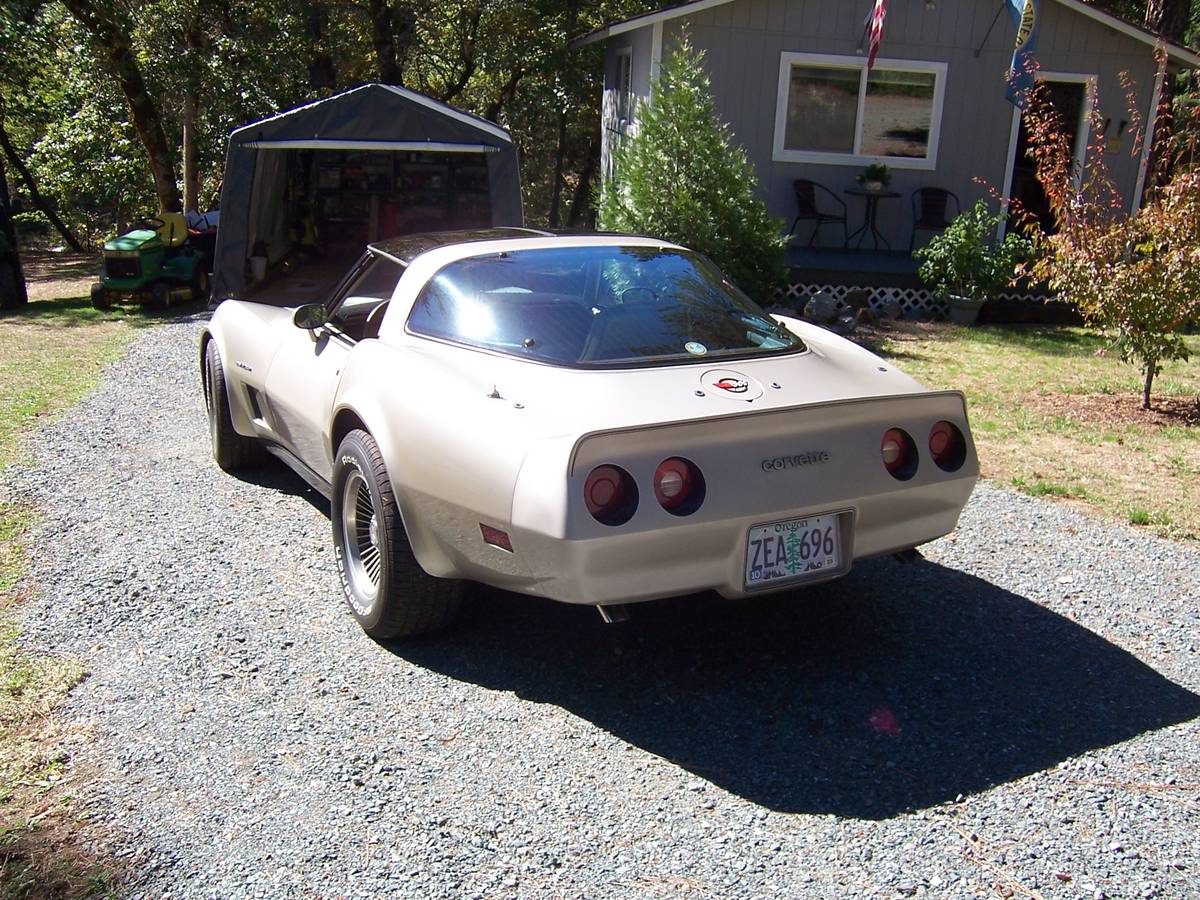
x: 100, y: 298
x: 388, y: 592
x: 160, y: 295
x: 231, y: 451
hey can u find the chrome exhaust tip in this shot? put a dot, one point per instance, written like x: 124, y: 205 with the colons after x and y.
x: 613, y: 613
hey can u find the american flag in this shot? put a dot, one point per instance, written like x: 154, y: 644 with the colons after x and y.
x: 875, y: 30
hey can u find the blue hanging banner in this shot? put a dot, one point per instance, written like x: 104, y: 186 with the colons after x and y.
x: 1022, y: 76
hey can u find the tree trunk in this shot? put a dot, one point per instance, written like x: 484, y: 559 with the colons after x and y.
x: 1168, y: 18
x: 34, y: 194
x: 116, y: 50
x: 191, y: 174
x: 322, y: 71
x: 12, y: 279
x: 560, y: 151
x: 582, y: 208
x: 507, y: 91
x: 383, y: 39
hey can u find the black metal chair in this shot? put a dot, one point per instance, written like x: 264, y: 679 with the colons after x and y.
x: 806, y: 203
x: 930, y: 209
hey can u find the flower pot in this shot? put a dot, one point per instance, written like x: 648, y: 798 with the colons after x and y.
x: 873, y: 185
x: 964, y: 310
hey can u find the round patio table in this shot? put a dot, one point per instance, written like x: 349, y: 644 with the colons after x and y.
x: 872, y: 199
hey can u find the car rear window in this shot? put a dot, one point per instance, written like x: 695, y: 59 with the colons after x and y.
x: 596, y: 306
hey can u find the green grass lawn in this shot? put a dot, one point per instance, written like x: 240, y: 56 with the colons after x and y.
x: 1054, y: 415
x: 52, y: 353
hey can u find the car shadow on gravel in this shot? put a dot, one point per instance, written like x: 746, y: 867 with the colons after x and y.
x: 279, y: 478
x: 897, y: 688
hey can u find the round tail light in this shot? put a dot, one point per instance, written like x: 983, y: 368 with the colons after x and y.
x: 947, y: 446
x: 899, y: 453
x: 611, y: 495
x: 679, y: 486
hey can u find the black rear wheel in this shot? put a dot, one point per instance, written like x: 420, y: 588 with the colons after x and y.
x: 389, y: 593
x: 199, y: 283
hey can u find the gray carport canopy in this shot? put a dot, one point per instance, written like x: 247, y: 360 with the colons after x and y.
x: 372, y: 117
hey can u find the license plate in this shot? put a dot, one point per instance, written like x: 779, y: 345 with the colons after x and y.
x: 793, y: 550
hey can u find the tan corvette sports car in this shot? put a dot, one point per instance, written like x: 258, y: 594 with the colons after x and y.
x: 596, y: 419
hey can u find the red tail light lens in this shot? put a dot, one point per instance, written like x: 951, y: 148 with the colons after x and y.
x: 899, y: 453
x: 679, y: 486
x: 947, y: 446
x: 611, y: 495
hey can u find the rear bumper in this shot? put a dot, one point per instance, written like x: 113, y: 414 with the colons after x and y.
x: 711, y: 555
x: 761, y: 468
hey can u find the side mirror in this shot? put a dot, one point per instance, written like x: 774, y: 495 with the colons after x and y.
x: 310, y: 316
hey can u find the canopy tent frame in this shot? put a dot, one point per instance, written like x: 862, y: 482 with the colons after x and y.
x: 372, y: 117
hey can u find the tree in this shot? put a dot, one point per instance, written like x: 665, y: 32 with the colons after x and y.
x: 680, y: 178
x: 34, y: 194
x: 1134, y: 276
x: 12, y: 279
x: 112, y: 44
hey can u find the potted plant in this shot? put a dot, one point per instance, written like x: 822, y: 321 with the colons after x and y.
x: 965, y: 267
x: 875, y: 177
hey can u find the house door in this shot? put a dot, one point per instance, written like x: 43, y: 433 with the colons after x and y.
x: 1072, y: 99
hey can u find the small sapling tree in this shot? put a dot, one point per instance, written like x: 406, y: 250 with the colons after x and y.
x: 1134, y: 276
x: 680, y: 178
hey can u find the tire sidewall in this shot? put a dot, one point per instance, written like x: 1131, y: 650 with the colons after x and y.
x: 213, y: 388
x: 352, y: 456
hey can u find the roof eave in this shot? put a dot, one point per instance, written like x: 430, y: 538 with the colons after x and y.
x: 1174, y: 51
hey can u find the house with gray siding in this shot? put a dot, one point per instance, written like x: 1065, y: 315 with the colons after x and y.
x: 790, y: 77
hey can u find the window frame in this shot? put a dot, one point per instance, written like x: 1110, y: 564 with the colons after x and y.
x: 855, y: 157
x: 623, y: 90
x: 333, y: 306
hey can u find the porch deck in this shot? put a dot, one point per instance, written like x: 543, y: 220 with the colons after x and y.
x: 855, y: 268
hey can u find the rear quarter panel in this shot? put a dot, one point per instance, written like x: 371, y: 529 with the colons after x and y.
x: 452, y: 453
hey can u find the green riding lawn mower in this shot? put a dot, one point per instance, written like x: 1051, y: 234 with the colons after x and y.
x: 159, y: 262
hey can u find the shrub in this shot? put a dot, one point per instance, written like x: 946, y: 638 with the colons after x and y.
x: 679, y: 178
x: 963, y: 261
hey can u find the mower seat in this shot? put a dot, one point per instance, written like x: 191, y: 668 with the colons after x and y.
x: 174, y: 229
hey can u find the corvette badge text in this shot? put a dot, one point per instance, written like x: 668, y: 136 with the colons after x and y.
x: 796, y: 461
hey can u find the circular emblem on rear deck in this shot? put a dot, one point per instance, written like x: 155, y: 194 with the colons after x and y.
x: 735, y: 385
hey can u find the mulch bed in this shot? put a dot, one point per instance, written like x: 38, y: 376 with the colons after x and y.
x: 1120, y: 409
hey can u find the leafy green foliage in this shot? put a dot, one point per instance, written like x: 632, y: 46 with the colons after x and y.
x: 680, y: 178
x: 963, y: 260
x: 875, y: 172
x: 242, y: 61
x: 1138, y: 277
x: 1133, y: 276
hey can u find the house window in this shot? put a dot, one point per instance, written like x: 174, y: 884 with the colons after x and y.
x: 832, y: 110
x: 624, y: 87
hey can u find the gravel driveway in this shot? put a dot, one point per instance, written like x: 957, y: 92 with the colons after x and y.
x: 1016, y: 716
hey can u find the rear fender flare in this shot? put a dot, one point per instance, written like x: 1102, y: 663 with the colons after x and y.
x: 362, y: 408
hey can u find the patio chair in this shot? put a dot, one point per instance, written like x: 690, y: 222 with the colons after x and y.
x: 806, y: 203
x: 930, y: 208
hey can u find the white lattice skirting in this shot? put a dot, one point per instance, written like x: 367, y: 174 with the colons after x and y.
x: 917, y: 303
